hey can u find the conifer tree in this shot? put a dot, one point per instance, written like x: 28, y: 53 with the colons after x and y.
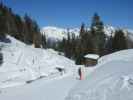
x: 19, y: 26
x: 37, y: 39
x: 25, y: 29
x: 1, y: 56
x: 29, y: 30
x: 67, y: 46
x: 108, y: 45
x: 2, y: 21
x: 119, y: 41
x: 44, y: 43
x: 82, y: 30
x: 98, y: 36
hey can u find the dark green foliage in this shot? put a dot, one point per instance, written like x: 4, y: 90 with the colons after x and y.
x: 44, y: 43
x: 37, y: 37
x: 29, y: 36
x: 1, y: 56
x: 82, y: 30
x: 19, y: 27
x: 76, y: 47
x: 61, y: 45
x: 119, y: 41
x: 98, y: 36
x: 85, y: 45
x: 68, y: 46
x: 25, y: 29
x: 2, y: 21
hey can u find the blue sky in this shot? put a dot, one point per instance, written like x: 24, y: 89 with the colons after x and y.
x: 71, y: 13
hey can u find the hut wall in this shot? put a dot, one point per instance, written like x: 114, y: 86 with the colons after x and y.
x: 90, y: 62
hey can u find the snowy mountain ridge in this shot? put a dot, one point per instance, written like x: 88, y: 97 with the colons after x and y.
x: 60, y: 33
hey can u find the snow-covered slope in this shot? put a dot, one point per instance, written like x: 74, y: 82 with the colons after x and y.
x: 109, y: 30
x: 111, y: 80
x: 124, y: 55
x: 24, y: 63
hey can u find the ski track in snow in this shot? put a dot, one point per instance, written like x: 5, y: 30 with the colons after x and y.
x: 56, y: 89
x: 24, y: 63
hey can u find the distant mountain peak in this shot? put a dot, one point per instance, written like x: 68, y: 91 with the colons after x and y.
x: 58, y: 33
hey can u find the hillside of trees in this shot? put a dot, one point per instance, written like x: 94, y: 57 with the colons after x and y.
x: 92, y: 41
x: 23, y: 28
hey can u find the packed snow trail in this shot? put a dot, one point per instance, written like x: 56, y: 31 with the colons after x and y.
x: 42, y: 89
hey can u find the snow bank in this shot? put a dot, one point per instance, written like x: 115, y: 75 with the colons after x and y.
x: 111, y: 80
x: 24, y: 63
x: 124, y: 55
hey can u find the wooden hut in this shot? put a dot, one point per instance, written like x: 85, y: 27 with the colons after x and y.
x: 91, y: 60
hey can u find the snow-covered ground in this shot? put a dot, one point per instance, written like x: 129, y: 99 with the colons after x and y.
x: 56, y: 89
x: 112, y: 79
x: 24, y: 64
x: 124, y: 55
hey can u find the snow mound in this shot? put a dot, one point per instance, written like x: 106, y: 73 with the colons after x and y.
x: 112, y: 81
x: 123, y: 55
x: 23, y: 63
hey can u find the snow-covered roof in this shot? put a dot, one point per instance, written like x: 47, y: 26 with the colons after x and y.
x: 92, y: 56
x: 62, y: 67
